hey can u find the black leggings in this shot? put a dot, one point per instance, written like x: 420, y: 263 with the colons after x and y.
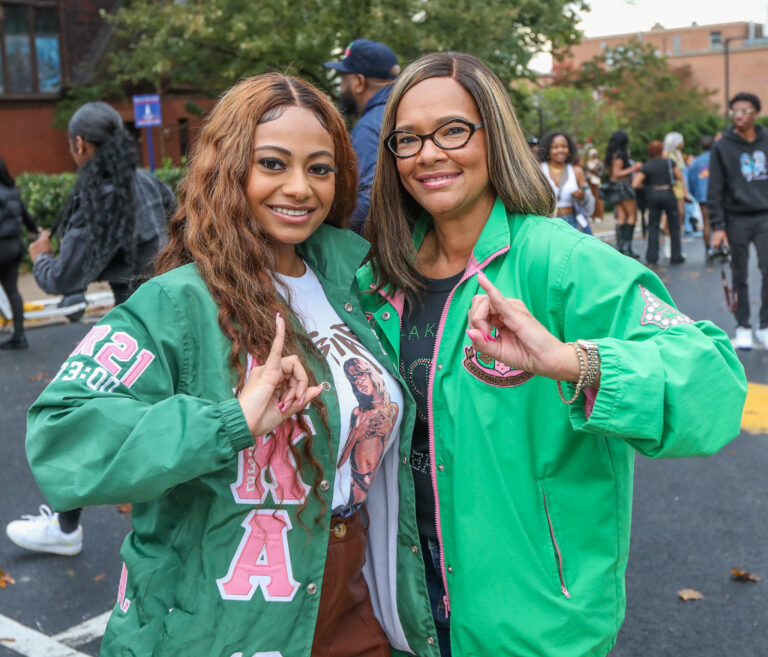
x: 11, y: 255
x: 662, y: 200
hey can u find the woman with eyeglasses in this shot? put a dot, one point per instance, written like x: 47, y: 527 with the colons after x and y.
x: 540, y: 360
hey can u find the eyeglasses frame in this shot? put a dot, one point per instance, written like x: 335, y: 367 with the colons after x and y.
x: 431, y: 135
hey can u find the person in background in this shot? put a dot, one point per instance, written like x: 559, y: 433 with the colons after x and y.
x: 523, y: 486
x: 658, y: 176
x: 594, y: 169
x: 698, y: 182
x: 367, y: 69
x: 737, y: 201
x: 620, y: 170
x: 559, y: 153
x: 111, y: 228
x: 13, y: 214
x: 673, y: 149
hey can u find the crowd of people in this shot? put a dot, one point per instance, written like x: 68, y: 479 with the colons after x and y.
x: 312, y: 426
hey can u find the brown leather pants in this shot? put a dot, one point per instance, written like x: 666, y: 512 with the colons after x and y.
x: 346, y: 626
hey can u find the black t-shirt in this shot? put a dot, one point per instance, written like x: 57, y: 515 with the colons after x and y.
x: 658, y: 172
x: 418, y: 333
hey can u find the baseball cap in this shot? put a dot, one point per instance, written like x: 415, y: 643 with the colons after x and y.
x: 369, y: 58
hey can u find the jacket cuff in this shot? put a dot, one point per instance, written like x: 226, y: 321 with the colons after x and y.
x: 630, y: 400
x: 234, y: 427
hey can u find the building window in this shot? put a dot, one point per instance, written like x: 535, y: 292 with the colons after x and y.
x: 30, y: 60
x: 676, y: 45
x: 715, y: 39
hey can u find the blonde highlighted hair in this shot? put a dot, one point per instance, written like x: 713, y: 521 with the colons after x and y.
x: 514, y: 171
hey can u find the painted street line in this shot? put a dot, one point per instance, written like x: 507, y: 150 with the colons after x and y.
x: 755, y: 418
x: 31, y: 643
x: 86, y: 632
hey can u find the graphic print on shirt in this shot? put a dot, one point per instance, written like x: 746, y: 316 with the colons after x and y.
x: 370, y: 427
x: 754, y: 166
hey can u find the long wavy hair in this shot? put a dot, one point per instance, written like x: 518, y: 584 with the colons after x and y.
x: 214, y: 226
x: 514, y: 171
x: 111, y: 218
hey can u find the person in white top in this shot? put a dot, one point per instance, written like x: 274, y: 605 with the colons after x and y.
x: 559, y: 154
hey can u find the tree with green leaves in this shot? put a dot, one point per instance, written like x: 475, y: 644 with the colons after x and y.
x: 650, y: 96
x: 207, y: 45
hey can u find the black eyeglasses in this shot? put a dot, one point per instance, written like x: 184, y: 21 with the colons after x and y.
x: 449, y: 136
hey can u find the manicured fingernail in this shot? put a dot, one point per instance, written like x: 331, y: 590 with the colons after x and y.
x: 277, y: 316
x: 301, y: 401
x: 281, y: 406
x: 490, y: 337
x: 469, y: 334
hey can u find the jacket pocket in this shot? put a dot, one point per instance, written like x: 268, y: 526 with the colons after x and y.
x: 555, y: 547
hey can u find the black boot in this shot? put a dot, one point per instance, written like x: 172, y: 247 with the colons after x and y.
x: 16, y: 341
x: 629, y: 232
x: 621, y: 246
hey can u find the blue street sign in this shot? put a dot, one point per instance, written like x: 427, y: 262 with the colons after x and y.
x: 146, y: 111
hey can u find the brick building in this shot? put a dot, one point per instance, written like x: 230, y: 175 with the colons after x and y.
x: 702, y: 47
x: 50, y: 45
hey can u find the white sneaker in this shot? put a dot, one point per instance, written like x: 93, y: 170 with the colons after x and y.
x: 762, y: 337
x: 667, y: 248
x: 43, y: 534
x: 742, y: 339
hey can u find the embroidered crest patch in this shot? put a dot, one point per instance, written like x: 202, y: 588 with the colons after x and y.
x: 659, y: 312
x: 490, y: 371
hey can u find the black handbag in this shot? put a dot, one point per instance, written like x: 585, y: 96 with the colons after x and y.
x: 604, y: 191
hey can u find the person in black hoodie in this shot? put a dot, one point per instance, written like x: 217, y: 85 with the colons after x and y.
x: 737, y: 201
x: 12, y: 215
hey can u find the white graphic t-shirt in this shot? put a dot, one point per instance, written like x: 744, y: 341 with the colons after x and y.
x: 370, y: 399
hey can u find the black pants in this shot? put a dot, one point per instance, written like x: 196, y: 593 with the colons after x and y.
x: 741, y: 230
x: 11, y: 254
x: 662, y: 200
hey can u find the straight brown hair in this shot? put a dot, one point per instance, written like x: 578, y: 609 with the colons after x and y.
x: 514, y: 171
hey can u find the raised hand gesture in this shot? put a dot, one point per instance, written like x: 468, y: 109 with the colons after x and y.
x: 521, y: 341
x: 277, y: 389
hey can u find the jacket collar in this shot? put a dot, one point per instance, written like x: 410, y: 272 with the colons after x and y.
x: 495, y: 236
x: 335, y: 253
x: 379, y: 98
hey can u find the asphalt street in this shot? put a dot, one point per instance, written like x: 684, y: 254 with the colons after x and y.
x: 694, y: 520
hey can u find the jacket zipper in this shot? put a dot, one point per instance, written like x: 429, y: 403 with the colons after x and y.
x: 558, y: 555
x: 471, y: 271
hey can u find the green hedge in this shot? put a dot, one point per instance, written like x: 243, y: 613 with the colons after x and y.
x: 45, y: 194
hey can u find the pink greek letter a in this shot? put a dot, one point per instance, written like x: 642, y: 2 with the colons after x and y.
x: 262, y: 560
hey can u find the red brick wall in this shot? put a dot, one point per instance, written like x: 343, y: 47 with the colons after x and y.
x: 748, y: 64
x: 29, y: 143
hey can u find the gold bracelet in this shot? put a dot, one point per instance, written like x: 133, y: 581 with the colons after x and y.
x: 580, y: 382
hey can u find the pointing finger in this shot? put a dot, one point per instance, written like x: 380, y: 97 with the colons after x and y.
x: 276, y: 351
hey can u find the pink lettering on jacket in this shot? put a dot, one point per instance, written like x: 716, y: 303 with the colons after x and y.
x: 268, y: 467
x: 121, y: 347
x: 88, y: 343
x: 123, y: 602
x: 262, y: 560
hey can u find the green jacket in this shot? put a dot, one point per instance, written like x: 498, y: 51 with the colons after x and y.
x: 534, y: 496
x: 217, y: 564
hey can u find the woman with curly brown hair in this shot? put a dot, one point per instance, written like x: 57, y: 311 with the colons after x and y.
x: 232, y: 421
